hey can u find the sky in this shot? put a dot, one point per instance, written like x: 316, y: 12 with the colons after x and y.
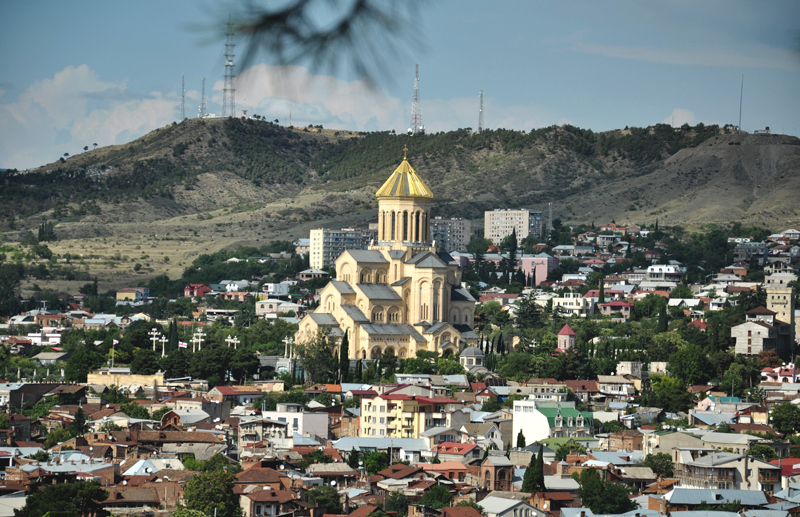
x: 77, y: 73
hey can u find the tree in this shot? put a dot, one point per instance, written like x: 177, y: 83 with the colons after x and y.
x: 182, y: 511
x: 318, y: 358
x: 344, y: 359
x: 534, y: 474
x: 135, y: 410
x: 566, y: 448
x: 663, y: 322
x: 79, y: 498
x: 145, y: 362
x: 213, y: 491
x: 604, y: 497
x: 491, y: 406
x: 521, y: 440
x: 691, y: 364
x: 602, y: 296
x: 437, y: 497
x: 5, y: 422
x: 353, y: 458
x: 78, y: 426
x: 785, y: 418
x: 397, y: 502
x: 660, y: 463
x: 376, y: 461
x: 681, y: 291
x: 670, y: 393
x: 763, y: 451
x: 325, y: 497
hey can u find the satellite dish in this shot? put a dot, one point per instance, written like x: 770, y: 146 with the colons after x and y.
x: 282, y: 467
x: 333, y: 483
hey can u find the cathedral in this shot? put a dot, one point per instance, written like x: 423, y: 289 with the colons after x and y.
x: 400, y: 295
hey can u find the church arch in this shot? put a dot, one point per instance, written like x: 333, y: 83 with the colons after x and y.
x: 346, y: 272
x: 402, y: 353
x: 394, y: 224
x: 424, y: 300
x: 375, y: 353
x: 365, y: 276
x: 454, y: 316
x: 380, y: 276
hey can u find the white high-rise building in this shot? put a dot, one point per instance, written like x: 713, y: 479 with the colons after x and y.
x: 499, y: 223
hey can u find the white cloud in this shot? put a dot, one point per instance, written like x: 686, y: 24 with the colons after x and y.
x: 680, y: 117
x: 73, y: 109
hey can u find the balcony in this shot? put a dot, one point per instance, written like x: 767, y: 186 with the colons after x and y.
x: 768, y: 478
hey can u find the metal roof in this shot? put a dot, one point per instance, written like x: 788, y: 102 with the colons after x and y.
x: 343, y: 287
x: 323, y: 318
x: 460, y: 294
x: 698, y: 495
x: 378, y: 292
x: 355, y: 313
x: 397, y: 329
x: 408, y: 444
x: 372, y: 256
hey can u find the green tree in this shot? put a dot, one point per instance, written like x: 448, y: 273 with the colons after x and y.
x: 670, y: 393
x: 344, y: 359
x: 5, y: 422
x: 566, y: 448
x: 397, y: 502
x: 604, y: 497
x: 437, y: 497
x: 681, y: 291
x: 325, y: 497
x: 353, y: 458
x: 376, y: 461
x: 81, y: 362
x: 79, y: 498
x: 182, y: 511
x: 318, y: 358
x: 785, y: 418
x: 521, y: 440
x: 533, y: 479
x: 135, y: 410
x: 763, y: 452
x: 660, y: 463
x: 78, y: 426
x: 691, y: 364
x: 491, y: 406
x: 212, y: 492
x: 663, y: 322
x: 145, y: 362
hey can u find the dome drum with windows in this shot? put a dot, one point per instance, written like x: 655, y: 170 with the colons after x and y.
x: 401, y: 295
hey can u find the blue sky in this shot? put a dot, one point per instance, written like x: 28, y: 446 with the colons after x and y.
x: 83, y: 72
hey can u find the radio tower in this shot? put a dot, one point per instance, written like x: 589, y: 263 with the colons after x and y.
x: 228, y: 91
x: 416, y: 111
x: 480, y: 114
x: 183, y: 98
x: 202, y: 110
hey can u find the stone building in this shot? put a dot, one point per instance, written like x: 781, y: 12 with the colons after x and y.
x: 401, y: 295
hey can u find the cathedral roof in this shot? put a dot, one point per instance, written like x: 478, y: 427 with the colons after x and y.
x: 400, y: 329
x: 402, y: 281
x: 355, y: 313
x: 466, y: 332
x: 460, y: 294
x: 372, y: 256
x: 426, y: 259
x: 378, y: 292
x: 343, y: 287
x: 323, y: 318
x: 404, y: 182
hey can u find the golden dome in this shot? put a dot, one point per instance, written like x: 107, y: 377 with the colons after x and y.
x: 404, y: 182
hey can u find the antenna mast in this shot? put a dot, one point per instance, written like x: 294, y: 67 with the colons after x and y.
x: 183, y: 98
x: 550, y: 225
x: 416, y: 111
x: 202, y: 110
x: 741, y: 94
x: 480, y: 115
x: 228, y: 91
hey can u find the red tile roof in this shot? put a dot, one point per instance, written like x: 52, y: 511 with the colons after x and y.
x: 566, y: 331
x: 454, y: 448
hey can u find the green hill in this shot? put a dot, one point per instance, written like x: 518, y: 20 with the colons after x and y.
x: 686, y: 175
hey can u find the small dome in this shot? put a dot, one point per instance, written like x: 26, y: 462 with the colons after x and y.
x: 404, y: 183
x: 472, y: 351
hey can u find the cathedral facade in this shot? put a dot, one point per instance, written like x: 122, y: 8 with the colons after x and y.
x: 401, y: 295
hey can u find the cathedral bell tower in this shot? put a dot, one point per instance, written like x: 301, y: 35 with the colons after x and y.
x: 404, y: 209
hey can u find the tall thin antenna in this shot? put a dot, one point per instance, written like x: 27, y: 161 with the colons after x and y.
x: 550, y: 225
x: 741, y: 94
x: 244, y: 110
x: 480, y: 114
x: 202, y: 110
x: 228, y: 91
x: 416, y: 111
x: 183, y: 98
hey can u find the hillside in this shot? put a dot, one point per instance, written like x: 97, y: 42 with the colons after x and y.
x: 206, y: 184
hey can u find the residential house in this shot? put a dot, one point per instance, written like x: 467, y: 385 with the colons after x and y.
x: 196, y: 290
x: 625, y: 440
x: 540, y: 420
x: 452, y: 451
x: 268, y: 502
x: 616, y: 387
x: 726, y: 470
x: 494, y: 506
x: 617, y: 309
x: 497, y: 473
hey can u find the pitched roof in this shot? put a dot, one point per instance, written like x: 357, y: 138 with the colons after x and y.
x: 566, y: 331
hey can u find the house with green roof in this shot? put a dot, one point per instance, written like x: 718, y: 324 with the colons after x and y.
x: 539, y: 420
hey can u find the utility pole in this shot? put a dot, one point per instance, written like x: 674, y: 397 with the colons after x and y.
x: 480, y: 114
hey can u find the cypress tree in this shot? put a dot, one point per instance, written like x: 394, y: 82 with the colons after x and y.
x: 520, y: 440
x: 344, y: 359
x: 529, y: 479
x: 539, y: 471
x: 602, y: 297
x: 360, y: 370
x: 663, y: 324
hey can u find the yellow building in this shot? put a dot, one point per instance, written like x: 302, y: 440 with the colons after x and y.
x: 403, y: 416
x: 401, y: 295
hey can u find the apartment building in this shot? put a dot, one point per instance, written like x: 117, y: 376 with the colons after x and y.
x: 326, y: 245
x: 500, y: 223
x: 404, y: 416
x: 574, y: 304
x: 539, y: 420
x: 451, y: 234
